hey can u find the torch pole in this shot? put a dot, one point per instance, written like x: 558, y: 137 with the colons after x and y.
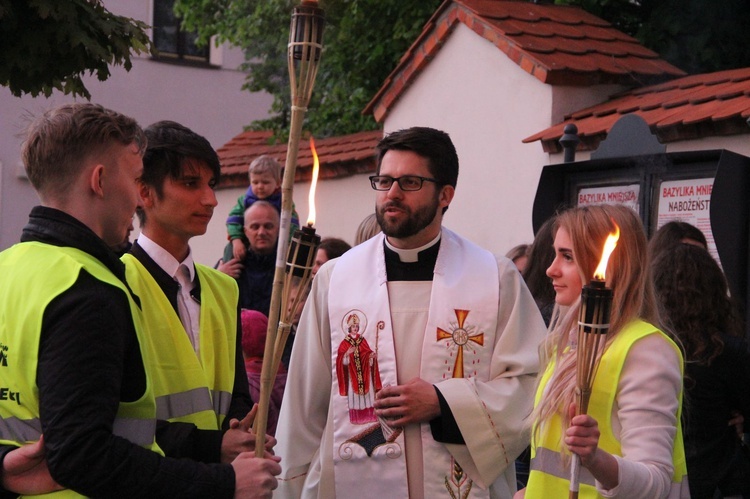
x: 593, y: 325
x: 305, y: 46
x: 267, y: 374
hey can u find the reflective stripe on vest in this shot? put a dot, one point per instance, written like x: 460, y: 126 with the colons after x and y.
x: 549, y: 477
x: 13, y: 429
x: 139, y: 431
x: 189, y: 389
x: 551, y: 463
x: 180, y: 405
x: 222, y: 401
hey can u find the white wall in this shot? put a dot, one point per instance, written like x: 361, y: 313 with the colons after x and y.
x: 208, y: 100
x: 735, y: 143
x: 487, y: 104
x: 567, y: 99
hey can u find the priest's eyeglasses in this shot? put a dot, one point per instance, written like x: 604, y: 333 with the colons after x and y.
x: 405, y: 183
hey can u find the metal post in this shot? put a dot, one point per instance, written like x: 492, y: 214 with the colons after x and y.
x: 569, y: 142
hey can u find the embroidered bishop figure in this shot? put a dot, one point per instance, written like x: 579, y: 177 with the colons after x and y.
x: 357, y: 372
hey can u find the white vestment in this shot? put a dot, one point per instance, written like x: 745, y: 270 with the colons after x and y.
x: 488, y: 409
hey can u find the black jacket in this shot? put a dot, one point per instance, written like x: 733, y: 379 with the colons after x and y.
x: 255, y: 280
x: 712, y: 392
x: 89, y: 361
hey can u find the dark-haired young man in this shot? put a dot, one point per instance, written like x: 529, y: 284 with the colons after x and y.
x: 190, y: 310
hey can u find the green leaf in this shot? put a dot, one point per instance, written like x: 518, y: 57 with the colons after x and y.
x: 49, y: 44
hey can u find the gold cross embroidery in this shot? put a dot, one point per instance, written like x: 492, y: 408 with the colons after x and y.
x: 460, y: 337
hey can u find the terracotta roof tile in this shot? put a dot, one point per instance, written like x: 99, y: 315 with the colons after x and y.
x: 339, y: 156
x: 559, y: 45
x: 732, y: 108
x: 696, y: 114
x: 714, y: 103
x: 250, y: 138
x: 546, y: 45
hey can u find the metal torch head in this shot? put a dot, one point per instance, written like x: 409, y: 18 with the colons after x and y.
x: 306, y: 34
x: 301, y: 256
x: 596, y: 305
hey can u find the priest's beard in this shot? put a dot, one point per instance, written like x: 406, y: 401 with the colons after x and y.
x: 412, y: 224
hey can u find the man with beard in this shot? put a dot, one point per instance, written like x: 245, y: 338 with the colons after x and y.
x: 452, y: 335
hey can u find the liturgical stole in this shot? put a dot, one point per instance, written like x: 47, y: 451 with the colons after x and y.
x: 368, y: 455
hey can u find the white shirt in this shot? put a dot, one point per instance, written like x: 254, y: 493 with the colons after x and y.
x: 189, y: 310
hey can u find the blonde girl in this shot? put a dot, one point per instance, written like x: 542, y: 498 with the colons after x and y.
x: 630, y: 442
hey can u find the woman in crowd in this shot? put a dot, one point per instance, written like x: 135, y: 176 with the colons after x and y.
x: 254, y: 330
x: 630, y: 442
x: 673, y: 233
x: 541, y: 254
x: 519, y: 255
x: 328, y: 249
x: 695, y: 305
x: 367, y: 229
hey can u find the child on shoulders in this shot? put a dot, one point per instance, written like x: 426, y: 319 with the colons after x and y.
x: 265, y: 184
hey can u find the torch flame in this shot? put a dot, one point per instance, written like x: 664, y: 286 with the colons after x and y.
x: 313, y: 184
x: 609, y: 246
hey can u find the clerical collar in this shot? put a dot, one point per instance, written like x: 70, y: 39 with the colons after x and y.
x: 411, y: 255
x: 416, y: 264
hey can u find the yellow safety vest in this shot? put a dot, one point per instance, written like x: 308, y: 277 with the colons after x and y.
x: 32, y: 274
x: 548, y: 476
x: 190, y: 389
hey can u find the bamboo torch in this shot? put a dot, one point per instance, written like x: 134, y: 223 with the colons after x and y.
x: 593, y: 326
x: 298, y: 271
x: 303, y: 57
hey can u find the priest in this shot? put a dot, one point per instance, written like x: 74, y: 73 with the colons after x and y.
x: 451, y: 330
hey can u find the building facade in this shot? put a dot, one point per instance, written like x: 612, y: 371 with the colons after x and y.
x: 198, y: 88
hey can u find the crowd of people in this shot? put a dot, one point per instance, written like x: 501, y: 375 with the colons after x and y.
x: 419, y: 365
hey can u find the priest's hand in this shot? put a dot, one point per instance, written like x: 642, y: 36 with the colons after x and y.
x: 25, y: 471
x: 247, y: 422
x: 411, y: 403
x: 737, y: 419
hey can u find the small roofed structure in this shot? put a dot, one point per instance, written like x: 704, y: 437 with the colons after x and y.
x: 558, y: 45
x: 692, y: 107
